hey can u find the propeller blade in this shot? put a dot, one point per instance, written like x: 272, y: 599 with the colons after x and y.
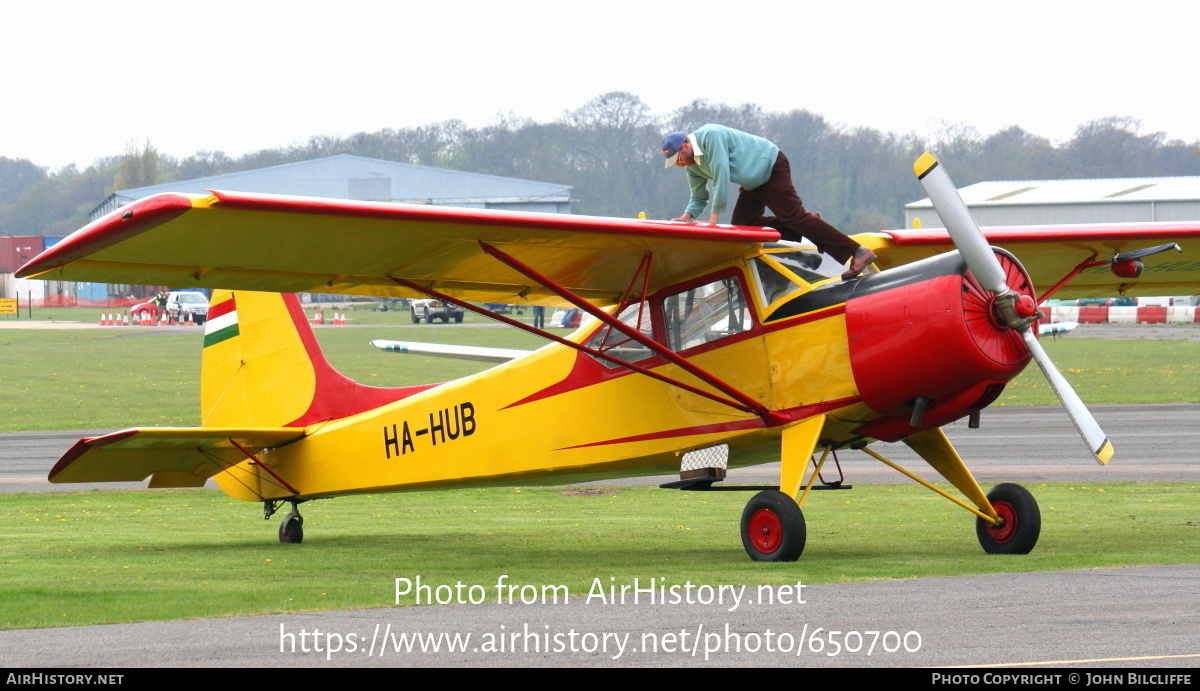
x: 980, y: 258
x: 1097, y: 442
x: 962, y: 228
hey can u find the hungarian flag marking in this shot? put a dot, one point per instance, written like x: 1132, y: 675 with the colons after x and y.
x: 222, y: 323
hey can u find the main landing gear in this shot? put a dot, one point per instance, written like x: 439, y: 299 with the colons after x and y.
x: 291, y: 529
x: 773, y: 527
x: 1021, y: 521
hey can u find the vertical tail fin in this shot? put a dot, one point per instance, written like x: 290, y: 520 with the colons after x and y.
x: 262, y: 367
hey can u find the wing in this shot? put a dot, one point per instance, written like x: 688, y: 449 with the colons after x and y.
x: 293, y: 244
x: 1049, y: 253
x: 175, y: 456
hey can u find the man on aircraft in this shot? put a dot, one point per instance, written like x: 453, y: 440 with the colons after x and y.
x: 723, y: 155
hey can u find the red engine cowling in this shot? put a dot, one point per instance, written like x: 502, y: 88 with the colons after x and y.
x: 932, y: 332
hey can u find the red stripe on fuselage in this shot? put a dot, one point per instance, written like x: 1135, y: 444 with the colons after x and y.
x: 684, y: 432
x: 807, y: 318
x: 792, y: 414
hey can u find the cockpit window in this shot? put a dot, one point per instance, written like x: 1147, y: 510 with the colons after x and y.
x: 705, y: 313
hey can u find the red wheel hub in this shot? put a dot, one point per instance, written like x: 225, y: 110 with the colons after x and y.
x: 1004, y: 532
x: 766, y: 531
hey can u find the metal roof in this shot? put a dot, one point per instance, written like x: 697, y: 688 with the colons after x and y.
x: 1097, y: 191
x: 365, y: 179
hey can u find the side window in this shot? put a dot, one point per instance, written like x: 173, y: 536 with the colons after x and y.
x: 616, y: 344
x: 705, y: 313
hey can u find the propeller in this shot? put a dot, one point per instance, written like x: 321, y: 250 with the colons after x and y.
x: 1017, y: 311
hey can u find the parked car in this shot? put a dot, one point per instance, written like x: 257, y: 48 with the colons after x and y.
x: 180, y: 304
x: 432, y: 310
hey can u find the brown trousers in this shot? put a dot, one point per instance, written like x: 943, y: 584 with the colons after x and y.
x: 790, y: 219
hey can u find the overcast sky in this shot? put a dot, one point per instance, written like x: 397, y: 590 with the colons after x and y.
x: 82, y: 80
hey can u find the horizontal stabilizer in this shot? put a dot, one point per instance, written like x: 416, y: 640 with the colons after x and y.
x: 176, y: 456
x: 458, y: 352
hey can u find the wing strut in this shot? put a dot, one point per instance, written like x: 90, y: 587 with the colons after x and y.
x: 741, y: 401
x: 254, y: 461
x: 747, y: 403
x: 571, y: 344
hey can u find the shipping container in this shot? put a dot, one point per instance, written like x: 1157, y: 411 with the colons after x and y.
x: 17, y: 250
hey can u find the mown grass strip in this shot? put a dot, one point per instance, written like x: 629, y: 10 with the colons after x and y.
x: 102, y: 557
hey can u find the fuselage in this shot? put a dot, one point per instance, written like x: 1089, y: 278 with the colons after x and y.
x: 770, y: 326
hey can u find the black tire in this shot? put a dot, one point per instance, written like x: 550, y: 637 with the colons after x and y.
x: 458, y: 318
x: 1022, y: 521
x: 292, y: 529
x: 412, y: 313
x: 773, y: 527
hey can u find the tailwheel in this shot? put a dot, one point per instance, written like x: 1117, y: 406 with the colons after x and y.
x: 1018, y: 532
x: 292, y: 528
x: 773, y: 527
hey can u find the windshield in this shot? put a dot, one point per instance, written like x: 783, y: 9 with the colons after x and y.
x: 192, y: 299
x: 802, y: 262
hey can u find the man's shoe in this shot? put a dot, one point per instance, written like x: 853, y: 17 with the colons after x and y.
x: 862, y: 259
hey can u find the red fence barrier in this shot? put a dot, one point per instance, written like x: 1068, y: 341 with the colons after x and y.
x: 73, y: 301
x: 1093, y: 314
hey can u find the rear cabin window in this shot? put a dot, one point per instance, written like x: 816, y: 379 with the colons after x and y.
x: 616, y: 344
x: 705, y: 313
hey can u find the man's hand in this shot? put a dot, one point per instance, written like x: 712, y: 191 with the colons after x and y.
x: 685, y: 218
x: 712, y: 219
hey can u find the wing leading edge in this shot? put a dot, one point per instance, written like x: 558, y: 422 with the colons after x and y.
x: 1050, y: 252
x: 293, y: 244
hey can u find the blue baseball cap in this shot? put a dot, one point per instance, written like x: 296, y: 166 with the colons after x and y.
x: 671, y: 146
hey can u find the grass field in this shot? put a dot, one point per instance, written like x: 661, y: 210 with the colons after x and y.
x: 93, y: 557
x: 99, y: 557
x: 111, y: 378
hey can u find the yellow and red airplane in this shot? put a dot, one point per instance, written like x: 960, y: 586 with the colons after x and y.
x: 710, y: 347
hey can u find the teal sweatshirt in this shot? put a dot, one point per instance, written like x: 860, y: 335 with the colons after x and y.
x: 727, y: 155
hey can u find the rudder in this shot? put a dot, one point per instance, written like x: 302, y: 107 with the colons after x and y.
x: 254, y: 370
x: 262, y: 367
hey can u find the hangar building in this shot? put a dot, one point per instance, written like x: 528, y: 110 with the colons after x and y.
x: 1045, y: 202
x: 337, y: 177
x: 368, y: 179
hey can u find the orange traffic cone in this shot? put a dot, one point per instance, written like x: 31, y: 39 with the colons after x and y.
x: 125, y: 321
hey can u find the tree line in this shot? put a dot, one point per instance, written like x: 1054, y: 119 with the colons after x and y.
x: 607, y: 149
